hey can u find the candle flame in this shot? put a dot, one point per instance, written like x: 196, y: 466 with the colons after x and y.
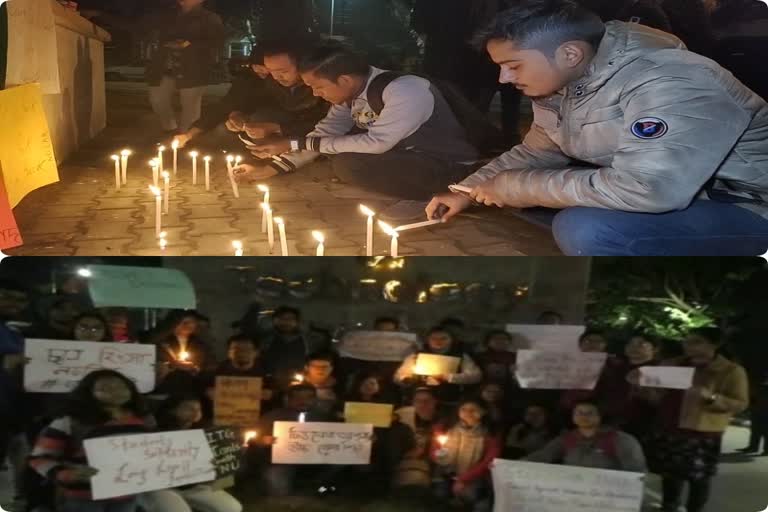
x: 166, y: 175
x: 299, y: 378
x: 249, y: 436
x: 155, y: 190
x: 388, y: 229
x: 279, y: 221
x: 263, y: 188
x: 125, y: 152
x: 161, y: 148
x: 302, y: 417
x: 183, y: 355
x: 238, y: 159
x: 319, y: 236
x: 193, y: 154
x: 207, y: 158
x: 367, y: 211
x: 163, y: 234
x: 230, y: 158
x: 175, y: 145
x: 163, y: 243
x: 237, y: 244
x: 153, y: 162
x: 115, y: 157
x: 442, y: 440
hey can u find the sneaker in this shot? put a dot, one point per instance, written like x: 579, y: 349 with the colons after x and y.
x: 403, y: 212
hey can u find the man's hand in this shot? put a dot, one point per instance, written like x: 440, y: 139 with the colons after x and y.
x: 262, y: 130
x: 246, y: 173
x: 236, y: 122
x: 272, y: 147
x: 182, y: 140
x: 455, y: 204
x: 488, y: 194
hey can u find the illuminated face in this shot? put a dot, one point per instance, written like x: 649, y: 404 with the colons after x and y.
x: 260, y: 70
x: 586, y: 416
x: 491, y: 393
x: 188, y: 413
x: 111, y: 391
x: 90, y: 328
x: 319, y: 370
x: 336, y: 93
x: 440, y: 341
x: 283, y: 69
x: 242, y: 354
x: 471, y: 414
x: 530, y: 71
x: 369, y: 386
x: 425, y: 405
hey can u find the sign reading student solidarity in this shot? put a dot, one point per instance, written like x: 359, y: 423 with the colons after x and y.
x: 545, y: 337
x: 378, y: 346
x: 322, y: 443
x: 56, y: 366
x: 237, y: 401
x: 559, y: 370
x: 148, y: 462
x: 554, y: 488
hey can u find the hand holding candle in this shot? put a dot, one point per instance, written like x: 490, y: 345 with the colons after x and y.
x: 249, y: 436
x: 283, y: 241
x: 369, y: 233
x: 320, y: 243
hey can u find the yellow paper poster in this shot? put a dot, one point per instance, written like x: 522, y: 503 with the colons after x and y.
x: 433, y: 364
x: 378, y: 415
x: 26, y: 151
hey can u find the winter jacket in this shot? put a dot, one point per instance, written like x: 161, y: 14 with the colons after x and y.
x: 657, y: 125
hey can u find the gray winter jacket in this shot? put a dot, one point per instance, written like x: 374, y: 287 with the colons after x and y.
x: 657, y: 125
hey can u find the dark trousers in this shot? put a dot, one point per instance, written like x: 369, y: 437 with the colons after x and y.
x: 759, y: 428
x: 400, y: 174
x: 698, y: 493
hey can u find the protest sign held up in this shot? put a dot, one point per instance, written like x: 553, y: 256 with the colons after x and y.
x: 554, y: 338
x: 237, y: 401
x: 670, y: 377
x: 322, y: 443
x: 378, y: 415
x: 378, y: 346
x: 433, y: 364
x: 558, y: 370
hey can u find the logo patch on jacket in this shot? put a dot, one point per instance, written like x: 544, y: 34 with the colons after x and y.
x: 649, y: 128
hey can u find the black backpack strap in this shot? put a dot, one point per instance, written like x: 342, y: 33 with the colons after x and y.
x: 376, y: 89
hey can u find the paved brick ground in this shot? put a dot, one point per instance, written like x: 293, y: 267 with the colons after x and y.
x: 84, y: 215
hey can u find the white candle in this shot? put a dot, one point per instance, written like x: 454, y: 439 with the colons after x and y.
x: 238, y: 159
x: 163, y: 242
x: 265, y: 189
x: 167, y: 179
x: 158, y: 208
x: 391, y: 232
x: 175, y: 147
x: 207, y: 173
x: 237, y: 245
x: 124, y: 154
x: 369, y: 233
x: 230, y: 160
x: 194, y: 154
x: 231, y: 173
x: 155, y: 171
x: 302, y: 417
x: 424, y: 224
x: 270, y: 227
x: 320, y: 242
x: 160, y: 150
x: 117, y: 171
x: 283, y: 241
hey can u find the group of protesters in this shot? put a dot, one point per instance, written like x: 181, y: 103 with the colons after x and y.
x: 446, y: 429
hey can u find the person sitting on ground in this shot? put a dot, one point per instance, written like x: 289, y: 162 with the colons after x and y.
x: 388, y: 134
x: 286, y: 350
x: 465, y: 454
x: 630, y: 103
x: 592, y: 445
x: 256, y: 107
x: 440, y: 342
x: 532, y: 434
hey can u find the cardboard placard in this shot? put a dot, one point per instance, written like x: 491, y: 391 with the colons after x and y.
x: 237, y: 401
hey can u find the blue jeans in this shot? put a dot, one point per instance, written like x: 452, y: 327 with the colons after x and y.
x: 706, y: 228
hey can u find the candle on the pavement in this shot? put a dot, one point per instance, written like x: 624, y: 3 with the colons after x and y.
x: 160, y: 151
x: 391, y: 232
x: 167, y: 180
x: 207, y: 160
x: 231, y: 174
x: 155, y: 171
x: 369, y: 233
x: 237, y: 245
x: 417, y: 225
x: 163, y: 241
x: 320, y: 237
x: 158, y: 207
x: 175, y: 147
x: 124, y: 154
x: 283, y: 240
x: 117, y: 171
x: 249, y: 436
x: 270, y: 228
x: 194, y: 154
x: 265, y: 189
x: 230, y: 161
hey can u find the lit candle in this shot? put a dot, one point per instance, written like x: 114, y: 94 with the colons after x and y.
x: 175, y: 147
x: 193, y: 154
x: 238, y: 159
x: 302, y: 417
x: 124, y: 154
x: 163, y: 241
x: 391, y: 232
x: 158, y: 207
x: 155, y: 171
x: 230, y: 160
x: 249, y: 436
x: 442, y: 440
x: 320, y: 242
x: 167, y: 179
x: 265, y: 189
x: 117, y: 171
x: 160, y: 150
x: 231, y: 172
x: 237, y: 245
x: 207, y: 173
x: 270, y: 227
x: 184, y: 356
x: 283, y: 241
x: 299, y: 378
x: 369, y: 235
x: 424, y: 224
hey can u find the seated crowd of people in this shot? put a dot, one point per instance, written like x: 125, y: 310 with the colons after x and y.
x: 446, y: 429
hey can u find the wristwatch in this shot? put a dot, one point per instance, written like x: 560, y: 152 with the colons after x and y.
x: 295, y: 145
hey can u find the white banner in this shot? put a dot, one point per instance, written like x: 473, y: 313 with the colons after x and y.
x: 56, y: 366
x: 533, y: 487
x: 322, y: 443
x: 148, y: 462
x: 670, y: 377
x: 545, y: 337
x: 378, y: 346
x: 559, y: 370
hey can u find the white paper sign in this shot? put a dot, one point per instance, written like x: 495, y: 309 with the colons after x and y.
x: 670, y: 377
x: 32, y: 48
x: 378, y: 346
x: 533, y: 487
x: 322, y: 443
x: 559, y: 370
x: 148, y: 462
x: 545, y: 337
x: 56, y: 366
